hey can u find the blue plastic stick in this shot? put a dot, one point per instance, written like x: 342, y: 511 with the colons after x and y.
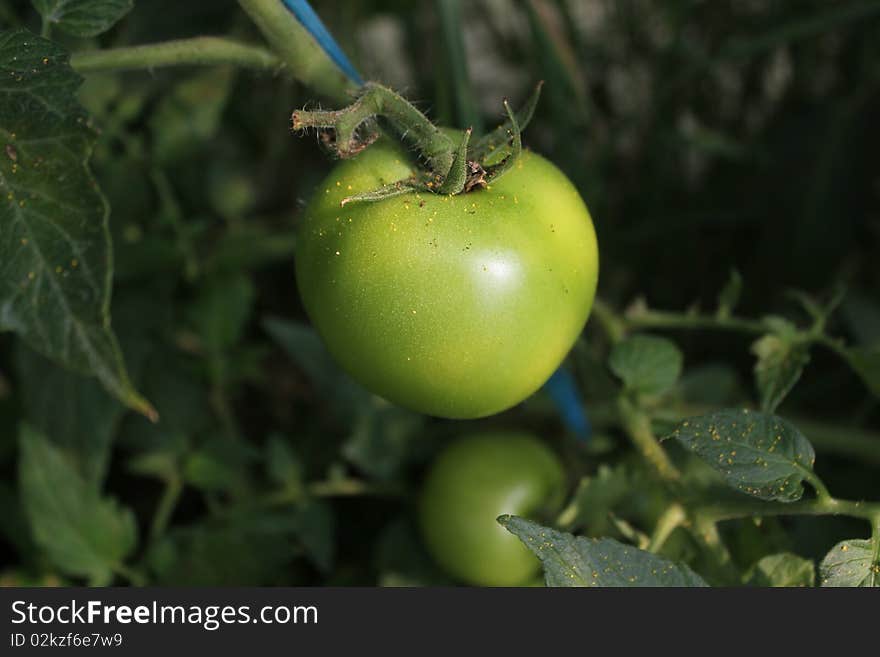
x: 563, y: 391
x: 304, y: 13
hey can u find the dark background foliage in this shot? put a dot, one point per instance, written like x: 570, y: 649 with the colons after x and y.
x: 704, y: 136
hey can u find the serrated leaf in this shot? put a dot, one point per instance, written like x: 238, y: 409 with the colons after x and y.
x: 756, y: 453
x: 81, y: 532
x: 576, y: 561
x: 646, y: 363
x: 778, y: 368
x: 55, y: 253
x: 729, y: 295
x: 851, y: 563
x: 866, y: 363
x: 784, y: 569
x: 83, y: 18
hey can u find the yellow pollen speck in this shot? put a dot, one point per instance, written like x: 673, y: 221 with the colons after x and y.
x: 337, y: 253
x: 58, y: 269
x: 338, y: 184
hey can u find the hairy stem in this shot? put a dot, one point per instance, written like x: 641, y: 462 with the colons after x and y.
x: 197, y: 51
x: 377, y: 100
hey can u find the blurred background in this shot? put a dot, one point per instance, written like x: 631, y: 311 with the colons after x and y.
x: 704, y: 136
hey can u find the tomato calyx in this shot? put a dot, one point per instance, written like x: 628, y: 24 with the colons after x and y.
x: 450, y: 166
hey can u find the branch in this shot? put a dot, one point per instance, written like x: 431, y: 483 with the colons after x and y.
x: 198, y: 51
x: 305, y: 58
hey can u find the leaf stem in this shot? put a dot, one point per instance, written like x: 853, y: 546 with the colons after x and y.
x: 643, y: 318
x: 672, y: 518
x: 165, y: 508
x: 637, y: 425
x: 351, y: 488
x: 822, y: 492
x: 197, y: 51
x: 610, y: 322
x: 829, y: 506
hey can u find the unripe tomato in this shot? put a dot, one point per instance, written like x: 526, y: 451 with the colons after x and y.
x: 472, y: 482
x: 455, y: 306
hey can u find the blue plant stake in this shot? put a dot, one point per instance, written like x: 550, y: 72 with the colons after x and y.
x: 307, y: 17
x: 563, y: 391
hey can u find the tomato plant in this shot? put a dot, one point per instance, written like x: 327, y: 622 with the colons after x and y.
x: 228, y: 359
x: 473, y: 481
x: 457, y: 306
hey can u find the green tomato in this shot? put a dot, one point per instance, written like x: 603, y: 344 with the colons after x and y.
x: 472, y: 482
x: 455, y: 306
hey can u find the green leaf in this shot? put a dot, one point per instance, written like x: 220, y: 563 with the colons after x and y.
x: 81, y: 532
x: 55, y: 253
x: 83, y: 18
x: 401, y: 560
x: 756, y: 453
x: 13, y: 525
x: 220, y: 464
x: 646, y: 363
x: 784, y: 569
x: 253, y: 548
x: 315, y: 526
x: 866, y: 362
x: 729, y: 295
x: 595, y: 498
x: 851, y: 563
x: 781, y: 360
x: 283, y: 465
x: 576, y: 561
x: 305, y: 348
x: 188, y: 117
x: 222, y: 311
x: 382, y: 439
x: 74, y: 413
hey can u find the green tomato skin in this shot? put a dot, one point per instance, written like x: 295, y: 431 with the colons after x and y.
x: 472, y: 482
x: 454, y: 306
